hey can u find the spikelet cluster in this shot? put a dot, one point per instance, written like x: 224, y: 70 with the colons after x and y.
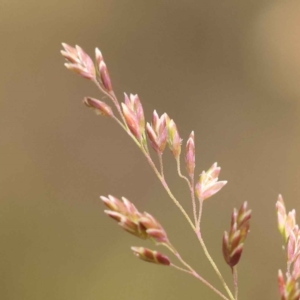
x: 289, y: 229
x: 233, y: 242
x: 142, y: 225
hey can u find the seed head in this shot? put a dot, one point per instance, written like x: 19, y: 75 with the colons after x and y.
x: 105, y: 78
x: 151, y: 256
x: 78, y: 61
x: 131, y: 121
x: 286, y: 222
x: 208, y: 183
x: 233, y: 242
x: 99, y: 106
x: 134, y: 104
x: 289, y: 289
x: 157, y: 132
x: 190, y: 155
x: 173, y: 139
x: 142, y: 225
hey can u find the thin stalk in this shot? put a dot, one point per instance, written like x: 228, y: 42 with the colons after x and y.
x: 165, y: 185
x: 200, y: 213
x: 192, y: 272
x: 214, y: 265
x: 180, y: 269
x: 235, y: 282
x: 112, y: 96
x: 180, y: 174
x: 161, y: 165
x: 191, y: 188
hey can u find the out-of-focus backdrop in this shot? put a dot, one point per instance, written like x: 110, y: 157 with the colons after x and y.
x: 230, y: 70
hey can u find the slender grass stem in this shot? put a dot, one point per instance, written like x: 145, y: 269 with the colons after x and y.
x: 214, y: 265
x: 192, y: 272
x: 199, y: 214
x: 235, y: 282
x: 161, y: 165
x: 191, y: 188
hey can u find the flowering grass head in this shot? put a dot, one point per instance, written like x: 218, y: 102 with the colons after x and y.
x: 159, y: 133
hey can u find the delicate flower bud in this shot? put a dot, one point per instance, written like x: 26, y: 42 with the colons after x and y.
x: 139, y: 112
x: 281, y: 283
x: 114, y: 215
x: 157, y: 234
x: 99, y: 57
x: 135, y: 106
x: 79, y: 70
x: 157, y: 132
x: 208, y: 183
x: 152, y: 138
x: 286, y: 222
x: 99, y: 106
x: 78, y: 61
x: 105, y: 79
x: 114, y: 204
x: 155, y: 120
x: 133, y: 227
x: 131, y: 121
x: 233, y: 243
x: 153, y: 228
x: 290, y: 223
x: 174, y: 140
x: 292, y: 245
x: 128, y: 223
x: 151, y: 256
x: 128, y: 102
x: 70, y: 54
x: 190, y: 155
x: 281, y: 215
x: 288, y: 290
x: 70, y: 57
x: 296, y: 268
x: 86, y: 61
x: 142, y: 225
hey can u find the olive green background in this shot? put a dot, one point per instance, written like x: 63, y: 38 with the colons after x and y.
x: 230, y: 70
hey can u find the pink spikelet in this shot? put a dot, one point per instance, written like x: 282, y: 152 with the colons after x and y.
x: 208, y: 183
x: 190, y: 155
x: 99, y: 106
x: 174, y: 140
x: 233, y: 242
x: 151, y: 256
x: 289, y: 289
x: 78, y: 61
x: 142, y: 225
x: 157, y: 132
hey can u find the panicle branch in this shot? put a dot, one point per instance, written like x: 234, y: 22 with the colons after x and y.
x: 162, y: 131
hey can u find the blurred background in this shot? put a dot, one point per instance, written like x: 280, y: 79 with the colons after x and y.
x: 230, y: 70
